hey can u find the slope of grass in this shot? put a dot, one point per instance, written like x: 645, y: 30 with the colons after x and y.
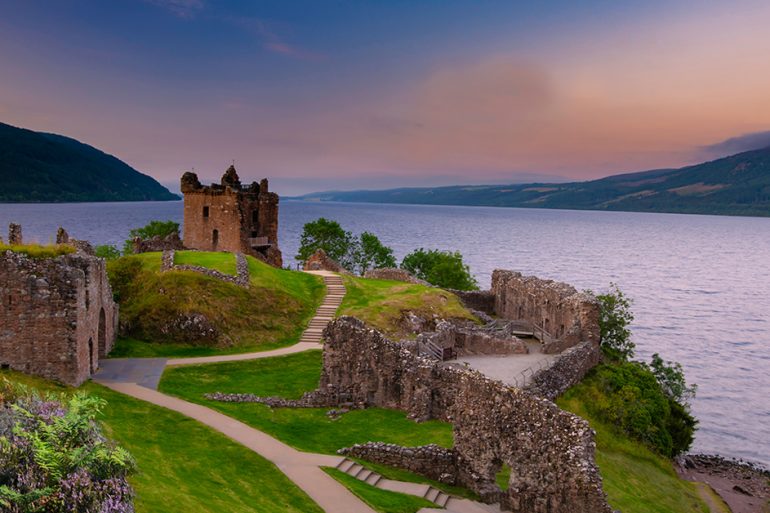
x: 307, y: 429
x: 185, y: 466
x: 383, y: 501
x: 154, y: 306
x: 218, y: 261
x: 636, y: 479
x: 382, y: 304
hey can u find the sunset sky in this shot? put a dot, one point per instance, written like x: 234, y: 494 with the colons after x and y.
x: 349, y: 94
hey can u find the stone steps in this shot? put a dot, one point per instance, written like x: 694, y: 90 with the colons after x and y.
x: 432, y: 494
x: 335, y: 293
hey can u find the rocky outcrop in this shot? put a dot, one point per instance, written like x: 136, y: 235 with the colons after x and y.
x: 394, y: 274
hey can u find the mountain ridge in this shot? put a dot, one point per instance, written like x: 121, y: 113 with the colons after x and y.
x: 38, y: 167
x: 734, y: 185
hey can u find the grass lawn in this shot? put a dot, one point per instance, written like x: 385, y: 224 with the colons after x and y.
x: 307, y: 429
x: 271, y: 313
x: 383, y: 501
x: 381, y: 303
x: 219, y: 261
x: 185, y: 466
x: 636, y: 479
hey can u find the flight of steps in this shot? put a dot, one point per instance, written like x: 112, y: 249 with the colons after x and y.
x: 335, y: 291
x: 442, y: 500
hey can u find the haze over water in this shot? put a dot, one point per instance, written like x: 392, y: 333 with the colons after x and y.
x: 700, y: 284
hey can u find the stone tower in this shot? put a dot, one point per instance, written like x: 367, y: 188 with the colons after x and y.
x: 230, y: 217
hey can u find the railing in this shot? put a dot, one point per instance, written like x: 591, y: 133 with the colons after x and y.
x: 256, y: 242
x: 524, y: 377
x: 539, y: 333
x: 431, y: 350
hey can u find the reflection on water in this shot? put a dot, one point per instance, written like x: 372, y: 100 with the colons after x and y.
x: 700, y: 284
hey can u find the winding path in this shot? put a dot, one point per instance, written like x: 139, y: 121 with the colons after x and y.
x: 139, y: 378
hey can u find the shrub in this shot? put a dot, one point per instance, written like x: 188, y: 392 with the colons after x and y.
x: 54, y: 458
x: 152, y: 229
x: 614, y: 320
x: 370, y: 253
x: 107, y: 252
x: 123, y: 274
x: 444, y: 269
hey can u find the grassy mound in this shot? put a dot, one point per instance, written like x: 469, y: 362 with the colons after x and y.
x: 307, y: 429
x: 38, y: 250
x: 185, y: 466
x: 635, y: 478
x: 184, y: 313
x: 382, y: 304
x: 218, y: 261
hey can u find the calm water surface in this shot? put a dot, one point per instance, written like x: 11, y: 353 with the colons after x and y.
x: 700, y: 284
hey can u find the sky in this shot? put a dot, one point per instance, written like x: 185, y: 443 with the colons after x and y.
x: 350, y: 94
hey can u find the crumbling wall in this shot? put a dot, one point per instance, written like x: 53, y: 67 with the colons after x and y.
x: 57, y: 317
x: 472, y: 340
x: 550, y: 451
x: 567, y: 370
x: 394, y: 274
x: 567, y: 317
x: 320, y: 261
x: 157, y: 243
x: 480, y: 300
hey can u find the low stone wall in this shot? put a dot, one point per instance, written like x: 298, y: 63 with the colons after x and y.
x: 431, y: 461
x: 472, y: 340
x: 568, y: 370
x: 394, y: 274
x: 550, y: 451
x: 242, y: 279
x: 170, y: 242
x: 567, y: 317
x: 480, y: 300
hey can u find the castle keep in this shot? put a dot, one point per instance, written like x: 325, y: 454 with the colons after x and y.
x: 231, y: 217
x: 58, y: 316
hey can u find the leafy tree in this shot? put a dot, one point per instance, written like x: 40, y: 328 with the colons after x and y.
x: 107, y: 252
x: 152, y: 229
x: 327, y: 235
x: 444, y: 269
x: 614, y: 320
x: 670, y: 375
x: 370, y: 253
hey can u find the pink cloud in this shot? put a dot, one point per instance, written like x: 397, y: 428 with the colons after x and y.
x: 180, y: 8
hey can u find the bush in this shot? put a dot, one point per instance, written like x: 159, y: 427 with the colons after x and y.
x: 152, y: 229
x: 370, y: 253
x: 123, y: 274
x: 444, y: 269
x: 54, y: 458
x: 107, y: 252
x: 614, y: 320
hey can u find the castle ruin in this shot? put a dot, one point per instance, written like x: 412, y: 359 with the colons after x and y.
x: 231, y: 217
x: 58, y: 316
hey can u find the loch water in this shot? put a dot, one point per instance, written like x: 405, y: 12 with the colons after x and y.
x: 700, y: 284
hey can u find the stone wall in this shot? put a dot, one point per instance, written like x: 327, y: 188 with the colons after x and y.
x: 569, y: 369
x: 472, y: 340
x: 567, y: 317
x: 394, y: 274
x: 14, y: 234
x: 169, y: 242
x: 550, y: 451
x: 231, y: 217
x: 242, y: 277
x: 320, y: 261
x: 58, y: 316
x: 431, y: 461
x: 479, y: 300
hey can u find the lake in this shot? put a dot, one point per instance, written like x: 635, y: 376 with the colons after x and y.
x: 700, y: 284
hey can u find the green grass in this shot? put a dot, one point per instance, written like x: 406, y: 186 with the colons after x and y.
x: 382, y: 303
x: 503, y: 478
x: 37, y: 250
x: 219, y: 261
x: 307, y: 429
x: 271, y: 313
x: 185, y: 466
x: 636, y: 479
x: 398, y: 474
x: 383, y: 501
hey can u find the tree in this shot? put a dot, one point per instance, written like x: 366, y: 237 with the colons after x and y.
x: 441, y: 268
x: 670, y: 375
x: 107, y: 252
x: 370, y: 253
x: 152, y: 229
x: 327, y: 235
x: 614, y: 320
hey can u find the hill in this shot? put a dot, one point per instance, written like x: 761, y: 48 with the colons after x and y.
x: 40, y: 167
x: 734, y: 185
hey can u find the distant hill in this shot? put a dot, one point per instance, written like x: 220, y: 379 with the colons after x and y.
x: 40, y: 167
x: 735, y: 185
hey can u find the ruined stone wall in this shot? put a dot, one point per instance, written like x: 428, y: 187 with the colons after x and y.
x: 567, y: 316
x: 472, y: 340
x: 480, y: 300
x: 569, y: 369
x: 170, y: 242
x: 550, y: 451
x: 57, y: 317
x: 227, y: 216
x: 320, y: 261
x: 431, y: 461
x: 394, y: 274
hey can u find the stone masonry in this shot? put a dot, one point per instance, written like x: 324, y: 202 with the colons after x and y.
x: 231, y: 217
x: 550, y: 452
x: 57, y: 317
x: 560, y: 315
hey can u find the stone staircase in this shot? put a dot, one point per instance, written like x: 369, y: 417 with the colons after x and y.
x: 444, y: 502
x: 335, y: 292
